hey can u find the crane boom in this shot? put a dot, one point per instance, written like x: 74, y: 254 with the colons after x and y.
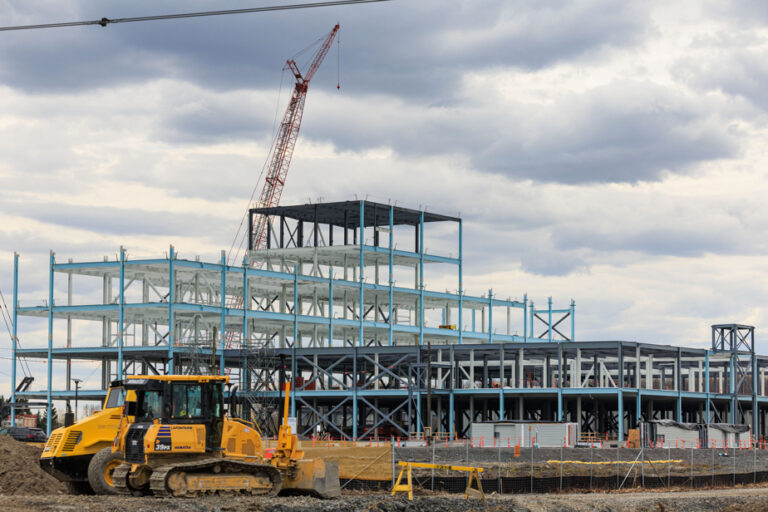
x: 285, y: 140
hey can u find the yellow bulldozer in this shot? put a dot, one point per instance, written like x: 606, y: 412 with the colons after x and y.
x: 176, y: 440
x: 81, y: 455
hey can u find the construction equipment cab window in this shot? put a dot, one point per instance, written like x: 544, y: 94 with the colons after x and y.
x: 187, y: 401
x: 150, y: 405
x: 116, y: 398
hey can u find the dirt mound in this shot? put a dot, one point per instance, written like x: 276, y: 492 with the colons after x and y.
x: 20, y: 471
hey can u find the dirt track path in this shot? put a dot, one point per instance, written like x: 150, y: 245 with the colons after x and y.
x: 748, y: 499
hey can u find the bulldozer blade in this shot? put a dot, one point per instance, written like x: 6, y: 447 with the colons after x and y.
x: 315, y: 477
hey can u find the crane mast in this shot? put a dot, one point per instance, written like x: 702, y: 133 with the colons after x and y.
x: 285, y: 140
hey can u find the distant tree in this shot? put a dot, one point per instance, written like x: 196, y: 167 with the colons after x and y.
x: 54, y: 419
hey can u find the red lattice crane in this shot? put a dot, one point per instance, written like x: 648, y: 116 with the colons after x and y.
x: 285, y: 139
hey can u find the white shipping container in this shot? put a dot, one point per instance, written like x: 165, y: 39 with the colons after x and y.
x: 676, y: 437
x: 543, y: 434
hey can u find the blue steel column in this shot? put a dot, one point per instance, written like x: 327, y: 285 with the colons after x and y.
x: 678, y: 386
x: 121, y: 316
x: 706, y: 383
x: 533, y: 312
x: 573, y: 320
x: 295, y: 305
x: 620, y: 397
x: 50, y: 344
x: 171, y: 300
x: 560, y: 381
x: 330, y: 308
x: 421, y: 279
x: 732, y: 382
x: 293, y: 384
x: 362, y: 270
x: 638, y: 395
x: 501, y: 382
x: 246, y: 306
x: 295, y: 333
x: 490, y: 316
x: 620, y: 385
x: 754, y: 392
x: 223, y: 319
x: 461, y: 295
x: 15, y: 335
x: 452, y: 377
x: 354, y: 394
x: 549, y: 319
x: 391, y: 281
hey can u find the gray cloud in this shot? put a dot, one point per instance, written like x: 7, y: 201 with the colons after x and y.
x: 659, y: 240
x: 627, y: 131
x: 118, y: 221
x: 405, y: 48
x: 735, y: 71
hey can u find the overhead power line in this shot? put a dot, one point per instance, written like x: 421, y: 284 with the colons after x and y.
x: 107, y: 21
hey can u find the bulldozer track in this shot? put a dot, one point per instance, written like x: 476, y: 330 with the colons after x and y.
x: 120, y: 477
x: 158, y: 480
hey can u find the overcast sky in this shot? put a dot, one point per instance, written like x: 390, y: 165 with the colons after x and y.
x: 609, y: 152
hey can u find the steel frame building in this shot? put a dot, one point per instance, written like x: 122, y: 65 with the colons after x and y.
x: 372, y: 354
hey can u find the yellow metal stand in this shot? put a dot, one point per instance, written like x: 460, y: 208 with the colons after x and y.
x: 407, y: 469
x: 406, y: 487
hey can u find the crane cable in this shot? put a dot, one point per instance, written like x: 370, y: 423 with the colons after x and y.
x: 8, y: 322
x: 238, y: 243
x: 107, y: 21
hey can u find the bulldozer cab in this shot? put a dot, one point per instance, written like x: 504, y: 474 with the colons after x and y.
x: 180, y: 400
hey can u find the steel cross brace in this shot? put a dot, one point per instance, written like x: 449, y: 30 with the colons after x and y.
x: 554, y: 326
x: 326, y: 371
x: 386, y: 370
x: 324, y: 418
x: 384, y: 417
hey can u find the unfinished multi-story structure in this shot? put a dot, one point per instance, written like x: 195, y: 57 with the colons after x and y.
x: 337, y: 305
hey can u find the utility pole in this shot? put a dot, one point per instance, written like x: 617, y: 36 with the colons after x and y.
x: 77, y: 388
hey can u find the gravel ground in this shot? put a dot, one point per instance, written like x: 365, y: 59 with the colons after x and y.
x: 747, y: 499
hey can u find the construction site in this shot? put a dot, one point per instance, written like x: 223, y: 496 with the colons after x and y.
x: 341, y: 364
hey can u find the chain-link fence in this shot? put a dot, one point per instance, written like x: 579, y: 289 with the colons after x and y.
x: 541, y: 470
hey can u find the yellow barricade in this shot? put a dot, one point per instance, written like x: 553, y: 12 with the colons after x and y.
x: 474, y: 475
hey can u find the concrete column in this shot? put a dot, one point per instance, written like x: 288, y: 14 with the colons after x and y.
x: 472, y: 369
x: 512, y: 374
x: 502, y: 384
x: 578, y: 412
x: 576, y: 378
x: 720, y: 380
x: 649, y: 372
x: 700, y: 380
x: 676, y: 374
